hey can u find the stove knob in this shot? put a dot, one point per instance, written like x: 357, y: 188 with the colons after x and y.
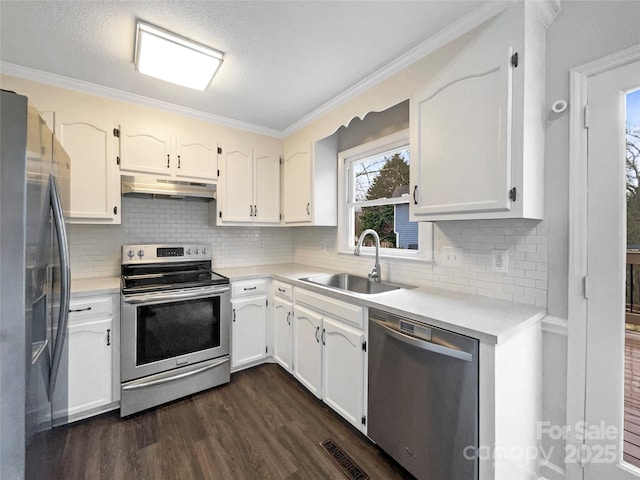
x: 141, y: 253
x: 195, y: 251
x: 188, y: 251
x: 204, y: 251
x: 131, y: 254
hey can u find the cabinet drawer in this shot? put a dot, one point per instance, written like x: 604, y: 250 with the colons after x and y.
x: 351, y: 314
x: 89, y: 307
x: 283, y: 290
x: 249, y: 287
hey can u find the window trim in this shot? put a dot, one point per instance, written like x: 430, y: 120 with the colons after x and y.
x: 378, y: 146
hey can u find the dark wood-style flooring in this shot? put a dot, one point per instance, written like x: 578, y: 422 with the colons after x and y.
x: 263, y: 425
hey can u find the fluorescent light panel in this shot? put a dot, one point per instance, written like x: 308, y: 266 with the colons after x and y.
x: 175, y: 59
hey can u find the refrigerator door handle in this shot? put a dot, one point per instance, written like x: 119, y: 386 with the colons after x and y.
x: 65, y: 282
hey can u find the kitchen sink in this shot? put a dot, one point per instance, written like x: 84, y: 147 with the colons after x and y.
x: 353, y: 283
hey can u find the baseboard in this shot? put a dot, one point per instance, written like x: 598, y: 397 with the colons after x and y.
x: 92, y: 412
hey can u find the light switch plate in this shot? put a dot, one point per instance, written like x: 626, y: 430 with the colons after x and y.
x: 451, y: 257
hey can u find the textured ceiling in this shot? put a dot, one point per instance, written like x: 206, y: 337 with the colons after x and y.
x: 283, y: 59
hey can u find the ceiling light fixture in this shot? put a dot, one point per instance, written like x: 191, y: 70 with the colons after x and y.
x: 164, y: 55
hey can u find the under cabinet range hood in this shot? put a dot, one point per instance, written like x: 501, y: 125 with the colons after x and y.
x: 153, y: 187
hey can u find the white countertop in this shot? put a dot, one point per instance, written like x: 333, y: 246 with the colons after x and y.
x: 81, y: 287
x: 490, y: 320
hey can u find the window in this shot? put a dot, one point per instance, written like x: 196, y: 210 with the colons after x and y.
x: 376, y: 194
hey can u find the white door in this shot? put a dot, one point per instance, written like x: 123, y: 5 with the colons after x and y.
x: 196, y: 159
x: 95, y: 180
x: 343, y: 370
x: 307, y: 349
x: 297, y: 187
x: 145, y: 151
x: 266, y: 188
x: 606, y: 240
x: 236, y: 184
x: 248, y: 331
x: 283, y: 332
x: 90, y: 365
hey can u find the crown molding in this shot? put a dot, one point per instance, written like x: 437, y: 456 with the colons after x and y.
x: 114, y: 94
x: 547, y: 10
x: 463, y: 25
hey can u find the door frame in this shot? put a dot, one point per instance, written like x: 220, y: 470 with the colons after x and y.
x: 578, y: 229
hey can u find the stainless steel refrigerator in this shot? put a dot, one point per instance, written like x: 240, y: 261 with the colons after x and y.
x: 34, y: 287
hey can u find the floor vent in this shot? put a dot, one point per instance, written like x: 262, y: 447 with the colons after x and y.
x: 344, y: 462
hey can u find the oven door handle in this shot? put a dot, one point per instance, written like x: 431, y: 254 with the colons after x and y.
x: 164, y: 297
x: 143, y: 384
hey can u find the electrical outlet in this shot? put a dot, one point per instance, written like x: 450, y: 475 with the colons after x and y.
x: 451, y: 256
x: 500, y: 261
x: 261, y: 245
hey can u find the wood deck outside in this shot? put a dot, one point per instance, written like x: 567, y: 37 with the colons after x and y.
x: 632, y: 397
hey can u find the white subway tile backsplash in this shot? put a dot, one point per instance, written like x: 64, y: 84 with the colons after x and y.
x: 526, y: 241
x: 95, y: 249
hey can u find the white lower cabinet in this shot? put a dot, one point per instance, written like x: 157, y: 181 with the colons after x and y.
x: 85, y: 384
x: 283, y: 332
x: 329, y: 353
x: 249, y: 323
x: 343, y: 369
x: 307, y: 349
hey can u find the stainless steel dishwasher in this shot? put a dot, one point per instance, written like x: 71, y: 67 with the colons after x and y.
x: 423, y: 397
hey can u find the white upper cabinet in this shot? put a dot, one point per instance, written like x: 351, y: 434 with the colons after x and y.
x: 310, y: 183
x: 95, y: 179
x: 248, y: 187
x: 152, y: 152
x: 196, y: 159
x: 477, y: 130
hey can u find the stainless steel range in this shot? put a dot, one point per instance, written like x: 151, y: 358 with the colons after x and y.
x: 175, y: 324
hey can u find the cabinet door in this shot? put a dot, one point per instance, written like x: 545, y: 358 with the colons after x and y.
x: 343, y: 370
x: 283, y: 332
x: 236, y: 195
x: 145, y: 151
x: 297, y: 188
x: 307, y: 349
x: 196, y: 159
x: 90, y: 365
x: 249, y: 331
x: 266, y: 188
x: 461, y: 139
x: 95, y: 180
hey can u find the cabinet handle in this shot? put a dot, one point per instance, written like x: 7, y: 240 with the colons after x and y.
x: 251, y: 210
x: 115, y: 210
x: 415, y: 191
x: 178, y: 161
x: 323, y: 335
x: 308, y: 205
x: 255, y: 210
x: 234, y: 314
x: 317, y: 330
x: 167, y: 160
x: 281, y: 290
x: 246, y: 289
x: 288, y: 318
x: 108, y: 336
x: 80, y: 310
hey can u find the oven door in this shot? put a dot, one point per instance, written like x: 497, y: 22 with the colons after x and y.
x: 165, y: 330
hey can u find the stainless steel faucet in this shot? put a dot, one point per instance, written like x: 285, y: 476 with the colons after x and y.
x: 376, y: 274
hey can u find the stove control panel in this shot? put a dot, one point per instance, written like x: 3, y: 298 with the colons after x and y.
x: 163, y: 253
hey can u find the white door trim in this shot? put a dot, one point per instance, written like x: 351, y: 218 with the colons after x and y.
x: 577, y: 327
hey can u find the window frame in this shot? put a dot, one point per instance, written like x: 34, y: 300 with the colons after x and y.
x: 346, y: 207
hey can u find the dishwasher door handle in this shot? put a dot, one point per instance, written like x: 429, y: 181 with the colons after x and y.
x: 425, y: 345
